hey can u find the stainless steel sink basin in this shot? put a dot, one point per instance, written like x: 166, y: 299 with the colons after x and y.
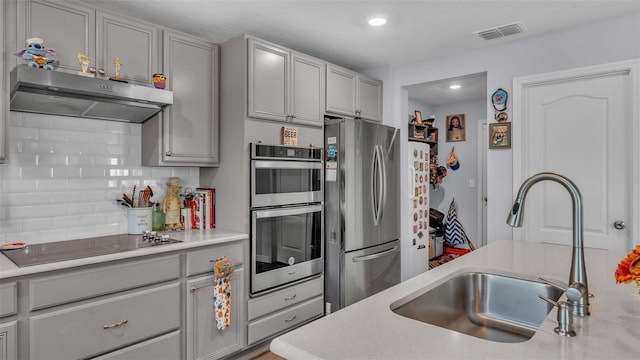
x: 488, y: 306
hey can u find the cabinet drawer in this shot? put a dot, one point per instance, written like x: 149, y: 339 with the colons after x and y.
x: 8, y: 299
x: 58, y: 289
x: 278, y: 300
x: 79, y: 331
x: 162, y: 347
x: 274, y: 324
x: 199, y: 262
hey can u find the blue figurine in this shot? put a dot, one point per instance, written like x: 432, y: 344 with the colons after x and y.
x: 35, y: 54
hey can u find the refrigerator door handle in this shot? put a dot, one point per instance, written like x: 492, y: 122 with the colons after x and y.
x: 383, y: 177
x: 376, y: 255
x: 374, y: 185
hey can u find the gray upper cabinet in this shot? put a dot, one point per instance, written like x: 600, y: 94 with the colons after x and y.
x: 353, y: 94
x: 67, y: 29
x: 133, y: 42
x: 284, y: 85
x: 186, y: 134
x: 103, y: 36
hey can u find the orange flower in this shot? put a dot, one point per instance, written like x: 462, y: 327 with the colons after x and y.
x: 629, y: 267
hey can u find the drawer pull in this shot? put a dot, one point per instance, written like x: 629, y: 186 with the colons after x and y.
x: 291, y: 318
x: 116, y: 324
x: 288, y: 298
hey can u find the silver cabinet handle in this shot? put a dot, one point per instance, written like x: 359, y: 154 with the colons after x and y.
x: 168, y: 153
x: 288, y: 298
x: 619, y: 224
x: 291, y: 318
x: 109, y: 326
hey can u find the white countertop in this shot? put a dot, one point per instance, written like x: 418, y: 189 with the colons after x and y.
x: 190, y: 239
x: 370, y: 330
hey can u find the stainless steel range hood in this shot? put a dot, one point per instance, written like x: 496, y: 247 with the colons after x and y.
x: 58, y: 93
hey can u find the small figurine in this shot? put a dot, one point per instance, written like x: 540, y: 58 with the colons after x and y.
x: 84, y: 61
x: 35, y: 54
x: 117, y: 77
x: 159, y: 80
x: 171, y: 205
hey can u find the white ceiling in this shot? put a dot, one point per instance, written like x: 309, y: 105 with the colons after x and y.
x: 337, y: 31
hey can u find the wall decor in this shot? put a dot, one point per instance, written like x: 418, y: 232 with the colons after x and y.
x: 456, y: 127
x: 289, y: 135
x: 499, y: 99
x: 502, y: 116
x: 500, y: 136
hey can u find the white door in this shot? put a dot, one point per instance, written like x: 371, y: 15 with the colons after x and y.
x: 581, y: 124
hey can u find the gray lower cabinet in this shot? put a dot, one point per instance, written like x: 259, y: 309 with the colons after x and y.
x: 103, y: 325
x: 284, y: 85
x: 153, y: 307
x: 186, y: 133
x: 70, y: 27
x: 8, y: 340
x: 204, y: 339
x: 353, y: 94
x: 285, y: 309
x: 8, y: 323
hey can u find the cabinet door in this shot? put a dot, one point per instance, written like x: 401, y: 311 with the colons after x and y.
x: 307, y: 89
x: 68, y: 29
x: 370, y: 98
x: 268, y: 81
x: 190, y: 128
x: 8, y: 341
x: 204, y: 340
x: 341, y: 91
x: 134, y: 42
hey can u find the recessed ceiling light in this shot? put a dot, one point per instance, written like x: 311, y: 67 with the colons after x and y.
x: 455, y: 86
x: 378, y: 21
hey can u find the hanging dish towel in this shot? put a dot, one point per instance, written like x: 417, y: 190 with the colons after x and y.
x: 223, y: 269
x: 453, y: 230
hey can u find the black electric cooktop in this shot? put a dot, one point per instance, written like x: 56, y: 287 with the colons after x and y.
x: 76, y: 249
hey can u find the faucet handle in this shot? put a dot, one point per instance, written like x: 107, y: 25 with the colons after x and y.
x: 576, y: 291
x: 565, y: 316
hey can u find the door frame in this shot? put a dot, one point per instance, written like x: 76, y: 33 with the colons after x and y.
x: 520, y: 84
x: 481, y: 188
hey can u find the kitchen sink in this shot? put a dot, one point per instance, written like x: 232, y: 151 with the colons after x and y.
x: 488, y: 306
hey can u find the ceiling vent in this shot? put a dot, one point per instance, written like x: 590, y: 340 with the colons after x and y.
x: 501, y: 31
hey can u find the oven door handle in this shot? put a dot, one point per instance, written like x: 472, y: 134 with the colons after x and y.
x: 267, y: 164
x: 286, y: 211
x: 376, y: 255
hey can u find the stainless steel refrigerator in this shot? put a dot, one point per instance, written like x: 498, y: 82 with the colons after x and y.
x: 362, y: 210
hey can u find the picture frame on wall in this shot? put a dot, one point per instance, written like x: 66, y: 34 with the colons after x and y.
x: 500, y: 135
x: 456, y: 127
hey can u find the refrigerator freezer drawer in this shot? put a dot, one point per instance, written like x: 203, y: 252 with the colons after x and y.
x: 370, y: 271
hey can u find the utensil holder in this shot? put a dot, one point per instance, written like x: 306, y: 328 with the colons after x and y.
x: 139, y: 219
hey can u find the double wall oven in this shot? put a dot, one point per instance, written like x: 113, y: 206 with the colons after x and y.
x: 286, y: 215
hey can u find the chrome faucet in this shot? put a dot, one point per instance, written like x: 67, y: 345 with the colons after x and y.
x: 578, y: 287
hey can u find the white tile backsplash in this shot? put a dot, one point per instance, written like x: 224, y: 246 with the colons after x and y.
x: 64, y: 174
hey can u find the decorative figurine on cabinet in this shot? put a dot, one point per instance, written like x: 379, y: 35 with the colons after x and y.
x: 171, y: 205
x: 159, y: 81
x: 35, y: 54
